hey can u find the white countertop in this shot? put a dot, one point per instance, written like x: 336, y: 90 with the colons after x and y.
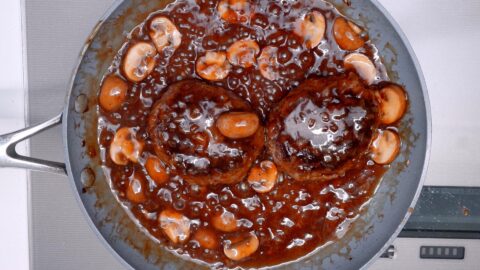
x: 451, y: 70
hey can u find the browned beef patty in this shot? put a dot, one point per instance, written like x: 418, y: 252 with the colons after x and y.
x: 318, y: 131
x: 183, y: 130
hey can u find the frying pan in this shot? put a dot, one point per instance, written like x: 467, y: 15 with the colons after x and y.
x: 379, y: 223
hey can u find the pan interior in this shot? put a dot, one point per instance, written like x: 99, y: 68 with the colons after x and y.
x: 368, y: 234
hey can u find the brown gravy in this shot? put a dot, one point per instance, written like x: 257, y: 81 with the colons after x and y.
x: 295, y: 217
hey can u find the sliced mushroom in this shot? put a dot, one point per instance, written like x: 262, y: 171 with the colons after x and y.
x: 164, y: 33
x: 392, y: 104
x: 362, y: 65
x: 213, y: 66
x: 225, y: 222
x: 238, y: 125
x: 385, y: 147
x: 125, y: 146
x: 347, y: 34
x: 268, y: 63
x: 241, y: 248
x: 175, y: 226
x: 235, y: 11
x: 243, y: 52
x: 311, y: 28
x: 112, y: 93
x: 156, y: 170
x: 263, y: 177
x: 206, y: 238
x: 136, y: 188
x: 139, y: 61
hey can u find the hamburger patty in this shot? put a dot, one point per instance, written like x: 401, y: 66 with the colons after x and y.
x: 183, y: 130
x: 318, y: 131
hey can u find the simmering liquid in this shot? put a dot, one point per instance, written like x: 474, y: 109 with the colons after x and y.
x: 196, y: 183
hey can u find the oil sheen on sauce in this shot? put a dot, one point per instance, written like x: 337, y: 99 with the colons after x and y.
x: 295, y: 217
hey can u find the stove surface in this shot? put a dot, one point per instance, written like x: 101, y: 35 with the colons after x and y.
x: 445, y: 39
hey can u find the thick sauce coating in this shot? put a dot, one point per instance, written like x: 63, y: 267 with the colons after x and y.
x: 182, y: 127
x: 322, y: 127
x: 218, y: 195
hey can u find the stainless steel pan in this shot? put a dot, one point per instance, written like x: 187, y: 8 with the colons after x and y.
x: 379, y: 223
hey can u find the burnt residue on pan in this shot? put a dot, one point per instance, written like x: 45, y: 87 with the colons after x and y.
x: 115, y: 218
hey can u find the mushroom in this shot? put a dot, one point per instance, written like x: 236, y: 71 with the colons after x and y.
x: 362, y: 65
x: 213, y: 66
x: 112, y: 93
x: 136, y: 188
x: 125, y: 146
x: 385, y: 147
x: 243, y: 52
x: 263, y: 177
x: 206, y: 238
x: 139, y: 61
x: 242, y: 247
x: 311, y: 28
x: 225, y: 222
x: 164, y: 33
x: 392, y: 104
x: 347, y: 34
x: 235, y: 11
x: 156, y: 170
x: 268, y: 63
x: 175, y: 226
x: 238, y: 125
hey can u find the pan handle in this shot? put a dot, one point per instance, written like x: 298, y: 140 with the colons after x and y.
x: 10, y: 158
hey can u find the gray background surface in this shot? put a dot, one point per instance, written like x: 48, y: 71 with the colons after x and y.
x: 60, y: 237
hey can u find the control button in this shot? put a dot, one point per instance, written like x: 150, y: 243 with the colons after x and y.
x: 389, y: 253
x: 437, y: 252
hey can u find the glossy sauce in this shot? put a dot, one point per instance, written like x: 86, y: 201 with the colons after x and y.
x: 296, y: 216
x: 321, y: 129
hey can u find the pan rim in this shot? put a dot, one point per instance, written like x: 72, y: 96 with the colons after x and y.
x: 428, y: 144
x: 87, y: 217
x: 393, y: 236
